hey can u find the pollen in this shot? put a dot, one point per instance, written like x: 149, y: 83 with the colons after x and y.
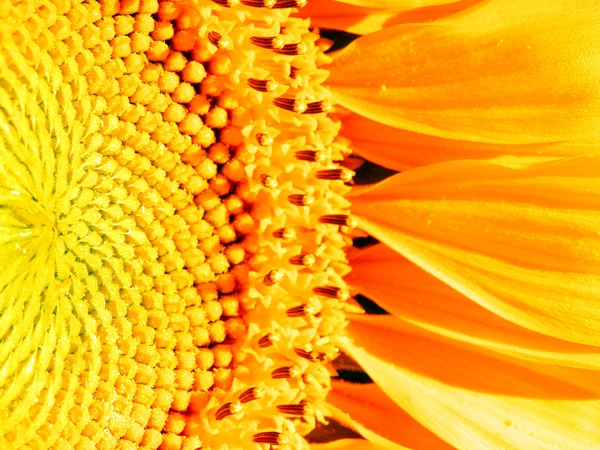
x: 174, y: 218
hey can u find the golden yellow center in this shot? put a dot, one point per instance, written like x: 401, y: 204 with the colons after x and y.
x: 172, y: 226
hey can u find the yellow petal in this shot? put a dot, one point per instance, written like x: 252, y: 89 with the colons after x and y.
x: 522, y: 243
x: 508, y: 72
x: 347, y: 444
x: 400, y: 149
x: 366, y: 409
x: 415, y: 296
x: 470, y: 400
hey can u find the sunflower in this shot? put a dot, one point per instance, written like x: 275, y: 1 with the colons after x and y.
x: 180, y: 220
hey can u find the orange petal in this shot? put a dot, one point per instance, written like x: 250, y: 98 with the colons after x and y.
x: 366, y: 409
x: 399, y: 4
x: 347, y: 444
x: 370, y: 18
x: 508, y: 72
x: 415, y: 296
x: 400, y: 150
x: 471, y: 400
x: 522, y: 243
x: 339, y: 16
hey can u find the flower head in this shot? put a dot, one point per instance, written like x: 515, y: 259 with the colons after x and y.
x: 176, y: 207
